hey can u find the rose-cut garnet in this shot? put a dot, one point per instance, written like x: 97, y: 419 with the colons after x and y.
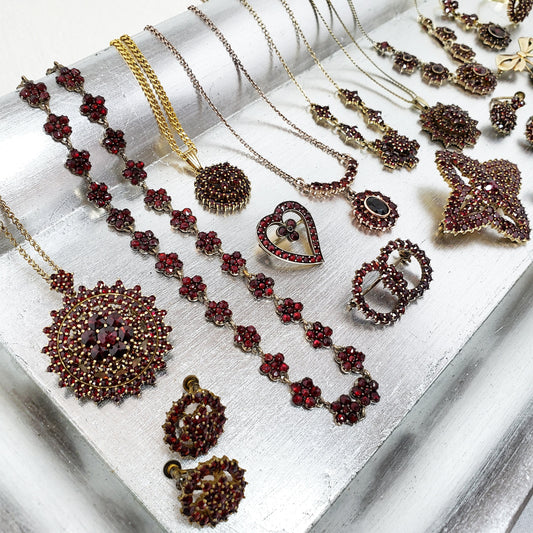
x: 70, y: 78
x: 346, y: 410
x: 305, y: 393
x: 274, y: 366
x: 61, y: 281
x: 158, y: 200
x: 365, y: 391
x: 93, y: 108
x: 78, y: 163
x: 98, y: 194
x: 261, y: 286
x: 57, y: 127
x: 183, y: 220
x: 247, y: 338
x: 194, y: 423
x: 35, y: 94
x: 120, y: 219
x: 193, y: 288
x: 134, y: 172
x: 169, y: 264
x: 233, y: 263
x: 318, y: 335
x: 144, y: 241
x: 350, y: 360
x: 218, y: 312
x: 208, y: 242
x: 114, y: 141
x: 289, y: 310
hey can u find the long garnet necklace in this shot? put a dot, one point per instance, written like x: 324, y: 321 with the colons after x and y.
x: 348, y: 408
x: 445, y: 123
x: 105, y: 342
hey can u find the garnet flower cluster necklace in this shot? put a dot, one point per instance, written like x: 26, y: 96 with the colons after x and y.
x: 349, y: 408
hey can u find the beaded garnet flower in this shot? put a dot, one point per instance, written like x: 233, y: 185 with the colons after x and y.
x: 106, y: 342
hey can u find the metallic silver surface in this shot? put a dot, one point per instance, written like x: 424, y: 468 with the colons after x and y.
x: 297, y: 462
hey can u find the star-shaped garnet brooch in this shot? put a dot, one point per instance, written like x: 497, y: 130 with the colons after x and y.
x: 490, y: 198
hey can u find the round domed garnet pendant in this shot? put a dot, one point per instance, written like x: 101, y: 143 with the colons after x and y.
x: 106, y: 342
x: 222, y: 188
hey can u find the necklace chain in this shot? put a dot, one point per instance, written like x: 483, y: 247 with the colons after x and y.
x: 160, y: 104
x: 295, y: 182
x: 273, y: 47
x: 18, y: 224
x: 309, y: 138
x: 415, y: 99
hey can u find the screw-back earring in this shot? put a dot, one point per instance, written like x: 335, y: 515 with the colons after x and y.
x: 503, y: 112
x: 211, y: 491
x: 193, y: 433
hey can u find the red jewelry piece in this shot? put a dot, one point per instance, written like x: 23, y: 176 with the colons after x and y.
x: 286, y: 228
x: 194, y: 289
x: 490, y: 198
x: 106, y: 342
x: 392, y: 280
x: 192, y: 432
x: 211, y: 491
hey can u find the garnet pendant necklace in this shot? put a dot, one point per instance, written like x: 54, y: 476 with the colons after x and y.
x: 348, y: 409
x: 105, y: 342
x: 319, y: 190
x: 394, y: 150
x: 221, y: 188
x: 447, y: 124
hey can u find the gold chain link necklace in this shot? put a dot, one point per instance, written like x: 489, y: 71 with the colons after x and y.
x: 222, y: 188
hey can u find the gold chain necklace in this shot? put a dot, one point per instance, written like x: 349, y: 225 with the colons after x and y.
x: 445, y: 123
x: 394, y: 150
x: 370, y: 209
x: 104, y: 343
x: 222, y: 187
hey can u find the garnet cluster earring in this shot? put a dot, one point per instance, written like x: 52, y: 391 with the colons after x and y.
x: 211, y: 491
x: 503, y: 112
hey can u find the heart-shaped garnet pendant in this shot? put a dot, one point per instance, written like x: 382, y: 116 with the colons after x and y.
x: 286, y: 228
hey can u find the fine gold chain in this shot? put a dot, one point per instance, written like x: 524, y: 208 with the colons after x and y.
x: 7, y: 211
x: 309, y: 138
x: 273, y: 47
x: 298, y: 182
x: 415, y: 99
x: 159, y: 102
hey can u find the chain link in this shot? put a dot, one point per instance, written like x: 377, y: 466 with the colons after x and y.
x: 159, y: 102
x: 412, y: 94
x: 306, y: 42
x: 16, y: 222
